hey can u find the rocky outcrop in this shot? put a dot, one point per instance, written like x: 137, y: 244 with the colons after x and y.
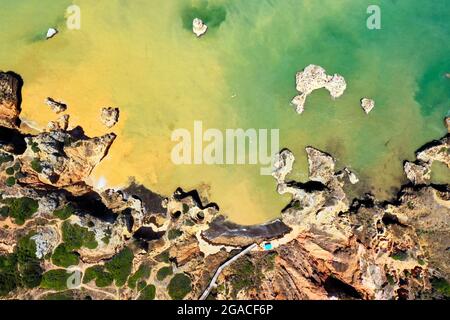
x: 313, y: 78
x: 56, y: 106
x: 61, y: 158
x: 51, y: 32
x: 417, y: 173
x: 222, y: 232
x: 435, y: 151
x: 367, y: 105
x: 46, y: 240
x: 109, y: 116
x: 61, y: 124
x: 198, y: 27
x: 10, y: 99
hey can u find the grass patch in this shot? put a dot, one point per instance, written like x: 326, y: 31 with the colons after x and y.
x: 163, y: 273
x: 179, y: 286
x: 120, y: 266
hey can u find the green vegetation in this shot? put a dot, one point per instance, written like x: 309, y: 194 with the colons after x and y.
x: 36, y: 165
x: 163, y: 256
x: 55, y: 279
x: 21, y: 268
x: 20, y: 209
x: 441, y: 285
x: 142, y: 273
x: 185, y: 208
x: 163, y: 273
x: 400, y: 255
x: 91, y: 273
x: 106, y: 239
x: 148, y: 293
x: 102, y: 277
x: 76, y: 236
x: 64, y: 213
x: 10, y: 181
x: 120, y: 266
x: 247, y: 274
x: 35, y: 147
x: 29, y: 265
x: 179, y: 286
x: 174, y: 233
x: 141, y: 285
x: 64, y: 257
x: 5, y: 158
x: 9, y: 171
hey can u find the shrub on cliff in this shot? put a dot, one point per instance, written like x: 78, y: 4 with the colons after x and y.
x: 75, y: 236
x: 179, y: 286
x: 148, y: 293
x: 163, y: 273
x: 64, y: 213
x: 21, y: 268
x: 21, y: 209
x: 142, y: 273
x: 64, y: 257
x: 102, y: 277
x: 120, y: 266
x: 55, y: 279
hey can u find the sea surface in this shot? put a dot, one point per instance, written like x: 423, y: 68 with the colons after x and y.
x: 143, y: 57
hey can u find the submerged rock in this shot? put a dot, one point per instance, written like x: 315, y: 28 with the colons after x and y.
x: 315, y: 77
x: 10, y: 85
x: 56, y: 106
x: 447, y: 123
x: 198, y: 27
x: 367, y: 105
x: 109, y: 116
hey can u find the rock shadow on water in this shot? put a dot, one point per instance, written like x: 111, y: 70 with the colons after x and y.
x: 212, y: 15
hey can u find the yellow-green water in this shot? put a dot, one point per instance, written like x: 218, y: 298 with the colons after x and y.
x: 142, y: 56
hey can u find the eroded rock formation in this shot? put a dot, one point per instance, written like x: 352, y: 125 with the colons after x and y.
x: 313, y: 78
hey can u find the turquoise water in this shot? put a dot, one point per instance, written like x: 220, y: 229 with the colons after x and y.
x: 143, y: 57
